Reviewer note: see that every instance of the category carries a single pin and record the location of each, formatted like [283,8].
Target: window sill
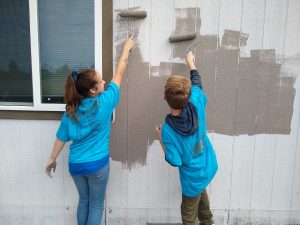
[30,115]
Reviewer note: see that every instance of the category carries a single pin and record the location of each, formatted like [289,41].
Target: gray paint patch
[248,89]
[138,108]
[129,132]
[250,95]
[141,108]
[234,39]
[185,20]
[180,69]
[225,91]
[247,95]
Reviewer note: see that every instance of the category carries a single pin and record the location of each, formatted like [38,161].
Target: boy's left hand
[158,131]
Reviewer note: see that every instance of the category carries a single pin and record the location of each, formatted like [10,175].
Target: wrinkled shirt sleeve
[196,78]
[172,156]
[62,132]
[111,95]
[197,97]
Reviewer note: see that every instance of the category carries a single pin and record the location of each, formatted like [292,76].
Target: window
[15,54]
[40,43]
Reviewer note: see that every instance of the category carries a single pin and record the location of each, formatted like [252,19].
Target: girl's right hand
[51,165]
[129,44]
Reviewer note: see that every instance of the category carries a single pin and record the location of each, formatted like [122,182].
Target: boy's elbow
[196,78]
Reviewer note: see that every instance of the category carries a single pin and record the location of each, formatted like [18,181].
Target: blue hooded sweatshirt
[187,144]
[89,131]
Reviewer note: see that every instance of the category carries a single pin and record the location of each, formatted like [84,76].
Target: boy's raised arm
[194,74]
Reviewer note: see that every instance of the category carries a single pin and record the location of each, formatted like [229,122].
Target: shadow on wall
[247,95]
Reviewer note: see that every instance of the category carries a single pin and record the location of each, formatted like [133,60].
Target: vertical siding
[258,181]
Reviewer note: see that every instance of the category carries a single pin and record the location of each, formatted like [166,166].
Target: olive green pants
[193,207]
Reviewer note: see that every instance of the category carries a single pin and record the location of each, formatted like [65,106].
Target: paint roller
[185,37]
[137,14]
[182,37]
[130,13]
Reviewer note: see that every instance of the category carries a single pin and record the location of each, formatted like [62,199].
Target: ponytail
[78,87]
[72,97]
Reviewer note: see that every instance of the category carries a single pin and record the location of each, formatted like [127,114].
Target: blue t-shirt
[193,155]
[89,128]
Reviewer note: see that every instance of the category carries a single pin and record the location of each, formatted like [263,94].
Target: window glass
[66,34]
[15,53]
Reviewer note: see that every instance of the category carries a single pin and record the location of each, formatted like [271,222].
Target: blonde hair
[177,91]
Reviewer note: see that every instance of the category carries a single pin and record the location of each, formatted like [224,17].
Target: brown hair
[177,91]
[78,88]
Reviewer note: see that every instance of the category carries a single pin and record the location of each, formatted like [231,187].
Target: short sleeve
[111,95]
[62,132]
[172,155]
[197,96]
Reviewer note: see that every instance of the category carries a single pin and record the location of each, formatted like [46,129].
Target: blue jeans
[91,189]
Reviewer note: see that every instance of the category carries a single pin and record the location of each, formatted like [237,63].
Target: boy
[186,145]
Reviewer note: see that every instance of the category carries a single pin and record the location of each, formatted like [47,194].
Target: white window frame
[35,59]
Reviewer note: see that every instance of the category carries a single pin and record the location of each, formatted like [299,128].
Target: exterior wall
[253,120]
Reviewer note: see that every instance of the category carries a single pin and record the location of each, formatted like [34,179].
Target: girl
[86,123]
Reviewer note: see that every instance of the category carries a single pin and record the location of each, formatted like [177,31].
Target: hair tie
[74,75]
